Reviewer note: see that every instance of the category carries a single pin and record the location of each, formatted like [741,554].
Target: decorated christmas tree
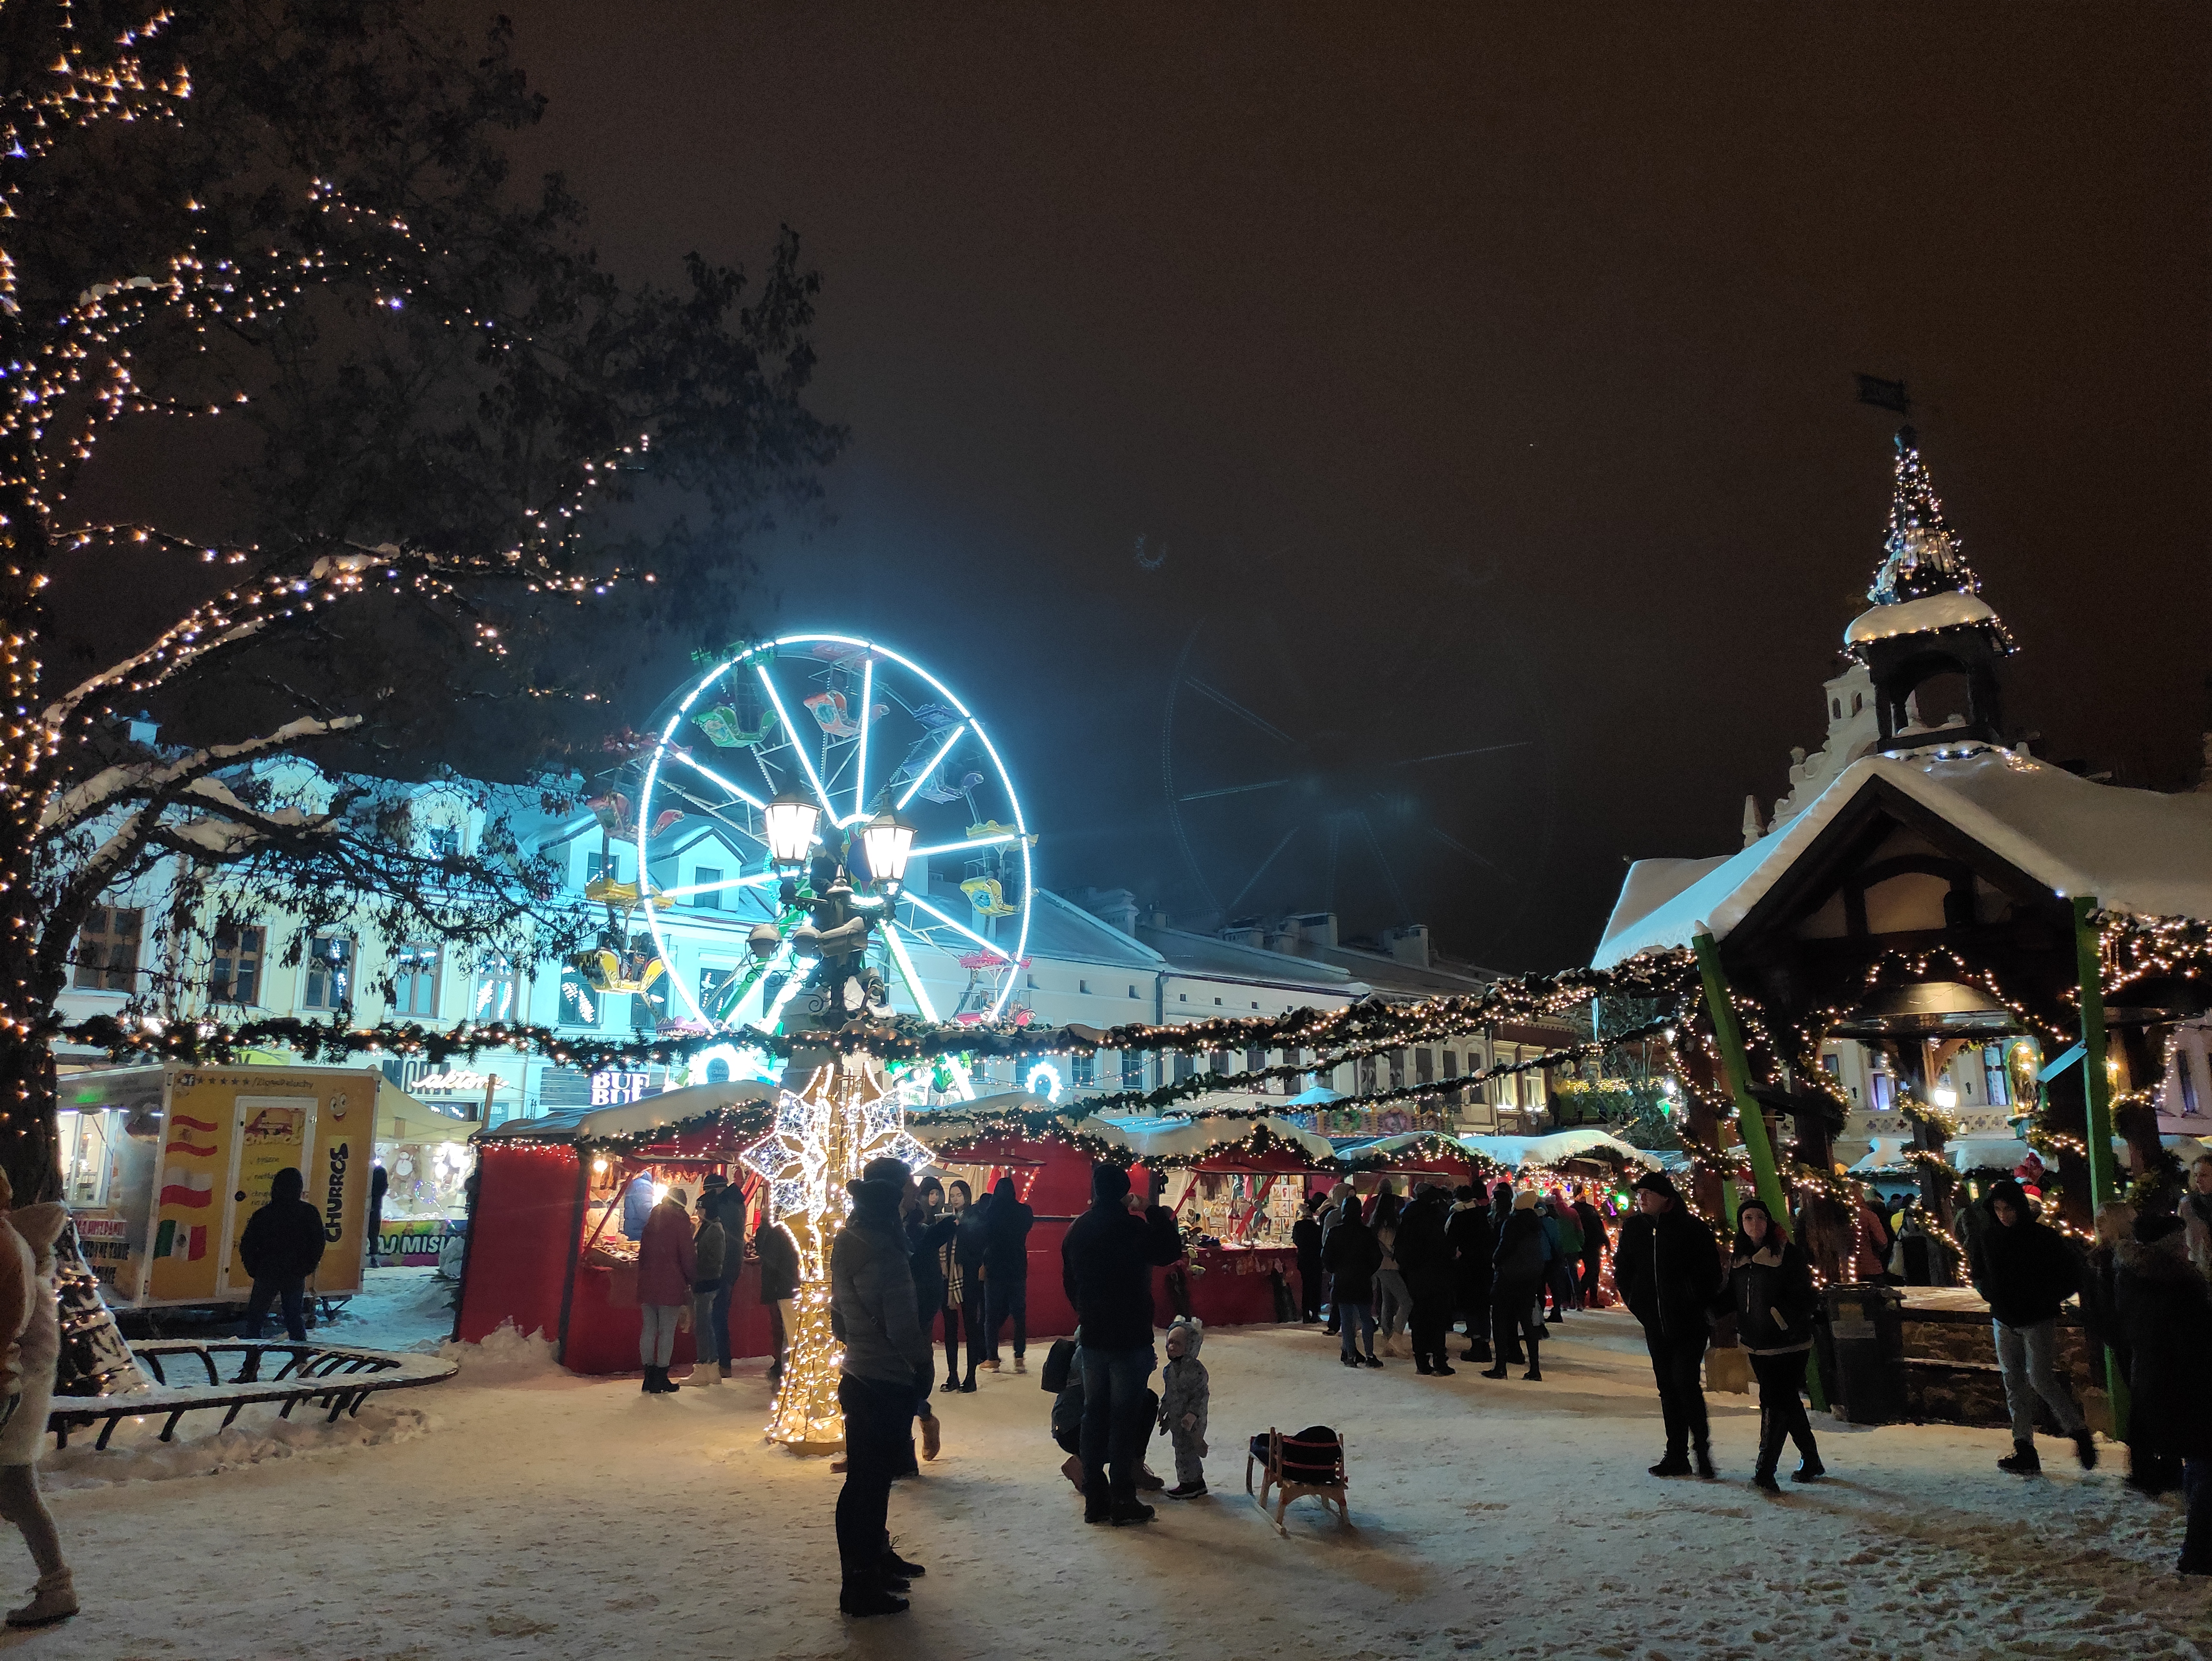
[1924,554]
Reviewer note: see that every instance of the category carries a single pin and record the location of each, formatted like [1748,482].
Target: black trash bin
[1867,1333]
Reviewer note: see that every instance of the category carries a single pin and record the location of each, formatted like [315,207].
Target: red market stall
[1051,1177]
[1240,1182]
[549,1245]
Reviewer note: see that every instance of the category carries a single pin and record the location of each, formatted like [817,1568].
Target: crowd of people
[1392,1269]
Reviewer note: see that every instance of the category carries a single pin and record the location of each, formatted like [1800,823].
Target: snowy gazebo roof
[1557,1148]
[2136,851]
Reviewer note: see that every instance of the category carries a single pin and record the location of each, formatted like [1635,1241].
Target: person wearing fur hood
[2164,1308]
[1770,1291]
[1183,1392]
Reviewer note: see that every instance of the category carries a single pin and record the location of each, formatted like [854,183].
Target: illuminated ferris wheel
[854,728]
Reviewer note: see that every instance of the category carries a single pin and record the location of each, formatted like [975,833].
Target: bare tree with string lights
[288,353]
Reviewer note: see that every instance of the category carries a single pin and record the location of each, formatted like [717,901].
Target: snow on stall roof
[1556,1148]
[2136,851]
[1173,1137]
[671,1107]
[1950,610]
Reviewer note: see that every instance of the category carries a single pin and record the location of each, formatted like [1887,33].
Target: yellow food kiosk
[162,1166]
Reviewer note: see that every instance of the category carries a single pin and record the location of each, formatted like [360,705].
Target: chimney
[1410,944]
[1114,907]
[1314,927]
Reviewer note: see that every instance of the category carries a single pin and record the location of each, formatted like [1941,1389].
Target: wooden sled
[1305,1461]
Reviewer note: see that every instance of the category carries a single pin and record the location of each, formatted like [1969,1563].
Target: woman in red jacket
[666,1266]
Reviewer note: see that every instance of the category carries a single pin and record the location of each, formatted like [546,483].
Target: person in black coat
[1594,1243]
[928,1227]
[971,1245]
[1352,1256]
[779,1285]
[2164,1310]
[1770,1291]
[280,1248]
[2027,1272]
[1668,1270]
[1305,1237]
[1467,1234]
[1517,1283]
[1106,1262]
[380,1184]
[1007,1269]
[1425,1259]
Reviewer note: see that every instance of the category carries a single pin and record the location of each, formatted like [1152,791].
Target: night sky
[1485,374]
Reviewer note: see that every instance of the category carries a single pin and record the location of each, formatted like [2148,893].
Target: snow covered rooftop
[1953,609]
[2136,851]
[1556,1148]
[671,1107]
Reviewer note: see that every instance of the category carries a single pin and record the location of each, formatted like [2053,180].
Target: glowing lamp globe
[789,823]
[887,840]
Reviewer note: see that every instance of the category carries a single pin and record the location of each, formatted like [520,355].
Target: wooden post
[2097,1093]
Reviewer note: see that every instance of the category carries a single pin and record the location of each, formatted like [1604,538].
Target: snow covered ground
[532,1514]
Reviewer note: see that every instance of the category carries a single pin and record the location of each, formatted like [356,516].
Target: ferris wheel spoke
[1455,843]
[860,759]
[1389,876]
[1239,710]
[935,761]
[1234,790]
[920,904]
[1454,755]
[1261,872]
[806,761]
[713,777]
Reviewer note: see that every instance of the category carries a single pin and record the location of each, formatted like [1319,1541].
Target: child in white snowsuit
[1183,1392]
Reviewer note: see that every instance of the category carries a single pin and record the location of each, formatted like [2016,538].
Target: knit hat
[1655,1182]
[1108,1182]
[1525,1199]
[885,1168]
[1464,1193]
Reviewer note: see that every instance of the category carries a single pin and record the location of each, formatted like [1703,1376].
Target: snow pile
[506,1356]
[135,1454]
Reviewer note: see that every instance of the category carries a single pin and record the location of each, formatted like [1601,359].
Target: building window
[1031,982]
[1083,1071]
[1366,1075]
[702,875]
[1133,1069]
[1132,991]
[1424,1066]
[234,976]
[414,980]
[1255,1058]
[580,1002]
[1217,1062]
[330,972]
[107,949]
[1083,986]
[443,840]
[2185,1070]
[1182,1066]
[1397,1069]
[494,1000]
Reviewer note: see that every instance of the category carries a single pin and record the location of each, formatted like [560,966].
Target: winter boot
[1704,1456]
[1349,1360]
[1441,1367]
[932,1436]
[1187,1490]
[1496,1372]
[1810,1469]
[2085,1447]
[2023,1462]
[894,1564]
[968,1384]
[1763,1478]
[53,1600]
[1476,1350]
[1021,1365]
[1421,1364]
[726,1369]
[1098,1508]
[702,1375]
[1148,1482]
[1535,1374]
[1131,1511]
[645,1387]
[1673,1462]
[864,1595]
[1371,1360]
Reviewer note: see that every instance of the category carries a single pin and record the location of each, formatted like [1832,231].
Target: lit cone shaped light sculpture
[823,1135]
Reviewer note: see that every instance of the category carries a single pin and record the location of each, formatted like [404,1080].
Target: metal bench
[334,1376]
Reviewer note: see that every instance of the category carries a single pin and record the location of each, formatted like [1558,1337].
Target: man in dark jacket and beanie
[888,1362]
[1106,1258]
[1469,1234]
[1668,1271]
[2026,1271]
[280,1248]
[2164,1308]
[1425,1259]
[1593,1239]
[1007,1269]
